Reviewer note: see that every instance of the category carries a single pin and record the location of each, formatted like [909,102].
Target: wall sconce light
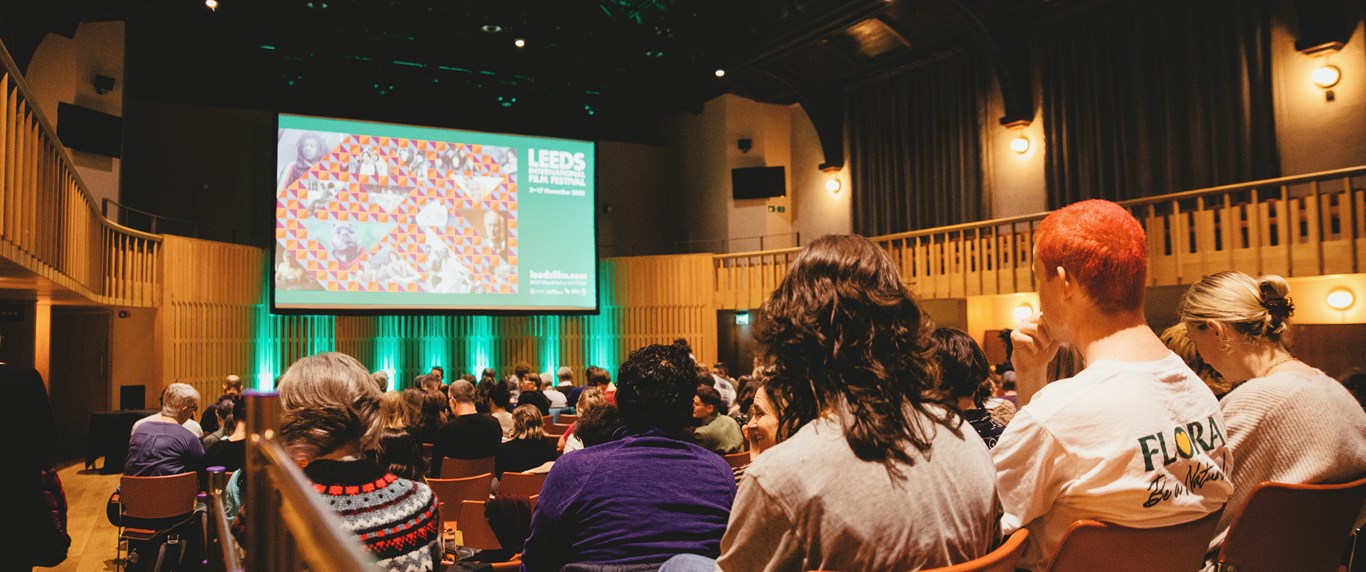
[833,184]
[1023,311]
[1340,299]
[1020,144]
[1326,76]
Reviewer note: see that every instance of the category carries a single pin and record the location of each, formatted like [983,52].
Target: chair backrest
[525,484]
[454,491]
[737,460]
[568,418]
[1091,545]
[453,468]
[1003,559]
[158,497]
[1292,527]
[474,527]
[557,428]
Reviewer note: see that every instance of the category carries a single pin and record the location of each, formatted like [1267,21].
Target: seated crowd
[874,440]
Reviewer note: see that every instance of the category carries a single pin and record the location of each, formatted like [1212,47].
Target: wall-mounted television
[757,182]
[385,218]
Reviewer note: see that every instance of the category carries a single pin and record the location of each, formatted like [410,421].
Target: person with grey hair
[330,420]
[470,434]
[189,424]
[160,444]
[558,401]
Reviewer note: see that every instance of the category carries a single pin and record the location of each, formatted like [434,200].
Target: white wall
[61,71]
[816,212]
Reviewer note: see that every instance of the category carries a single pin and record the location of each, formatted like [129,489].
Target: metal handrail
[223,532]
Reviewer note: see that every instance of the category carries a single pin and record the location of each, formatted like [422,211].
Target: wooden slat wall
[216,321]
[210,311]
[1306,225]
[48,222]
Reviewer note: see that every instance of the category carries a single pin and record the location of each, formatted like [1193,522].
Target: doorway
[79,372]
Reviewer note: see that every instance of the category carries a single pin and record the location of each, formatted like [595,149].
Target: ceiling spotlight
[212,4]
[720,72]
[1340,299]
[1326,76]
[1019,144]
[519,43]
[492,28]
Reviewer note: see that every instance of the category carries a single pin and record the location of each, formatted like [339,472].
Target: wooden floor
[93,539]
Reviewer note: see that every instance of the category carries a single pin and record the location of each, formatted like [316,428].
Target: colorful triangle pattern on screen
[384,214]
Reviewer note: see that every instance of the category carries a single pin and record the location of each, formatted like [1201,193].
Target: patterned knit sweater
[395,518]
[1291,428]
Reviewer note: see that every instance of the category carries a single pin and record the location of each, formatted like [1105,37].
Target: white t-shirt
[1140,444]
[557,399]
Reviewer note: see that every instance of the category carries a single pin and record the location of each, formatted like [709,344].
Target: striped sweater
[395,518]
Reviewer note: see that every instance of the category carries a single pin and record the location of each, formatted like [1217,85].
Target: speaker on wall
[85,129]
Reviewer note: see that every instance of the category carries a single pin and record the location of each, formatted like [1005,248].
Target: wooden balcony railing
[1306,225]
[49,224]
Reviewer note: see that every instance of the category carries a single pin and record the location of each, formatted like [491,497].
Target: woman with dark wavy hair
[872,470]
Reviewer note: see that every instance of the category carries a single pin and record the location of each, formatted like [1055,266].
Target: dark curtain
[1146,98]
[915,147]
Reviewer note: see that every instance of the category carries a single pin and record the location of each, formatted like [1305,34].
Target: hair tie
[1280,307]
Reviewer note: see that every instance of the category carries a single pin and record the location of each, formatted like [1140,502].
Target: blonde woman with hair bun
[1287,421]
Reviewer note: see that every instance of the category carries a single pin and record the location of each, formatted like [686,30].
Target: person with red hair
[1134,439]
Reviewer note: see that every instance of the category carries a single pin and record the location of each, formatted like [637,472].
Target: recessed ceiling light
[492,28]
[212,4]
[720,73]
[519,43]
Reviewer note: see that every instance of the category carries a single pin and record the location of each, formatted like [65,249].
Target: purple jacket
[640,499]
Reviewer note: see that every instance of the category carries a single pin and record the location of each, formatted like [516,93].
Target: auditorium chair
[737,460]
[453,468]
[1305,528]
[525,484]
[1091,545]
[451,492]
[152,499]
[1003,559]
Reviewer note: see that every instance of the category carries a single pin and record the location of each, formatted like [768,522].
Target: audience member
[589,398]
[209,422]
[381,379]
[717,433]
[470,434]
[761,427]
[428,382]
[436,411]
[1241,326]
[599,425]
[399,451]
[230,452]
[330,422]
[667,496]
[572,390]
[874,471]
[161,445]
[439,373]
[1354,380]
[963,371]
[498,403]
[528,448]
[222,423]
[1180,344]
[532,394]
[1135,439]
[189,423]
[558,401]
[725,387]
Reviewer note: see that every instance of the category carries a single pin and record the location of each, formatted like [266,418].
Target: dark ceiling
[608,69]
